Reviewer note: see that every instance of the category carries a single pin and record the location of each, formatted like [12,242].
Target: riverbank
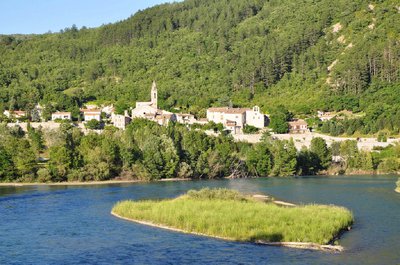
[89,183]
[229,215]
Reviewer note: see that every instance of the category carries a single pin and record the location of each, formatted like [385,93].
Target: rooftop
[298,122]
[229,110]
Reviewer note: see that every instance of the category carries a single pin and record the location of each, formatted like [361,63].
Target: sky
[41,16]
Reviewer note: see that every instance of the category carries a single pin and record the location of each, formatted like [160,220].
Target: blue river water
[73,224]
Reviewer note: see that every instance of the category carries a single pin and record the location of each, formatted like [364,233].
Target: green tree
[6,165]
[349,152]
[259,160]
[320,148]
[285,158]
[60,163]
[93,125]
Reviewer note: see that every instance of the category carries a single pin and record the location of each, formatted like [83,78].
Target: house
[108,110]
[7,113]
[185,118]
[234,119]
[326,116]
[255,118]
[91,114]
[164,117]
[121,121]
[61,116]
[19,114]
[14,114]
[298,126]
[202,121]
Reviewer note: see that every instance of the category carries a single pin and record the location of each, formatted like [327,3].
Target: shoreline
[89,183]
[112,182]
[397,190]
[298,245]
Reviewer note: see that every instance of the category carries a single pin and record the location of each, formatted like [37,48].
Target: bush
[44,175]
[389,165]
[93,125]
[248,129]
[216,194]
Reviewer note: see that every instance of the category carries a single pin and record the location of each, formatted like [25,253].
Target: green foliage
[260,160]
[216,194]
[308,162]
[320,149]
[382,137]
[279,120]
[93,125]
[228,214]
[389,165]
[6,165]
[250,52]
[248,129]
[285,158]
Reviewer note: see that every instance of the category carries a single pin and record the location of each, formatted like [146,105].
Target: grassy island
[230,215]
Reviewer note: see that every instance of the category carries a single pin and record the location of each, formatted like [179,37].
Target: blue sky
[40,16]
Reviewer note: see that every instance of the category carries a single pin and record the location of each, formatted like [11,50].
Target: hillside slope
[304,54]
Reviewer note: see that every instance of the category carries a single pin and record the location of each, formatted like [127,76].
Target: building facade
[91,114]
[61,116]
[185,118]
[255,118]
[298,126]
[234,119]
[121,121]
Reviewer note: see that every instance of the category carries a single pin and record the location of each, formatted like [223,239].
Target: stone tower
[154,95]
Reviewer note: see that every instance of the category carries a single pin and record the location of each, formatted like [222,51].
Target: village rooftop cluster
[233,120]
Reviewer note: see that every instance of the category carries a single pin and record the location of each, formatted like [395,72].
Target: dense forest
[305,55]
[147,151]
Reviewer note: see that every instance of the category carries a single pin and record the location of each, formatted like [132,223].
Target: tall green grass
[240,218]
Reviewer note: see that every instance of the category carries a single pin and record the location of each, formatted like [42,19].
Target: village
[233,120]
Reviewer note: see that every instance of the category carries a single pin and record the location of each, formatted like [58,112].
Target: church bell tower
[154,95]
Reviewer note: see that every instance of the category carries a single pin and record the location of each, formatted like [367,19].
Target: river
[73,224]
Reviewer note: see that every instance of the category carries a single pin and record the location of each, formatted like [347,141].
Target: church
[150,110]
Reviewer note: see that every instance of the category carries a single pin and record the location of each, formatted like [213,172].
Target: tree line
[147,151]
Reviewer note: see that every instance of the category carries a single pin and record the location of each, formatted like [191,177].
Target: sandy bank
[310,246]
[89,183]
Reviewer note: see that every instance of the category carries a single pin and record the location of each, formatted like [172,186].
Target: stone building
[150,111]
[298,126]
[234,119]
[61,116]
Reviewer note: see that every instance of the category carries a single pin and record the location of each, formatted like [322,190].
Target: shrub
[248,129]
[44,175]
[93,125]
[216,194]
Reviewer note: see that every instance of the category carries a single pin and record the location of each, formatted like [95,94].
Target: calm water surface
[73,225]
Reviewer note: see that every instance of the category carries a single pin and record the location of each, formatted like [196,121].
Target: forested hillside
[303,54]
